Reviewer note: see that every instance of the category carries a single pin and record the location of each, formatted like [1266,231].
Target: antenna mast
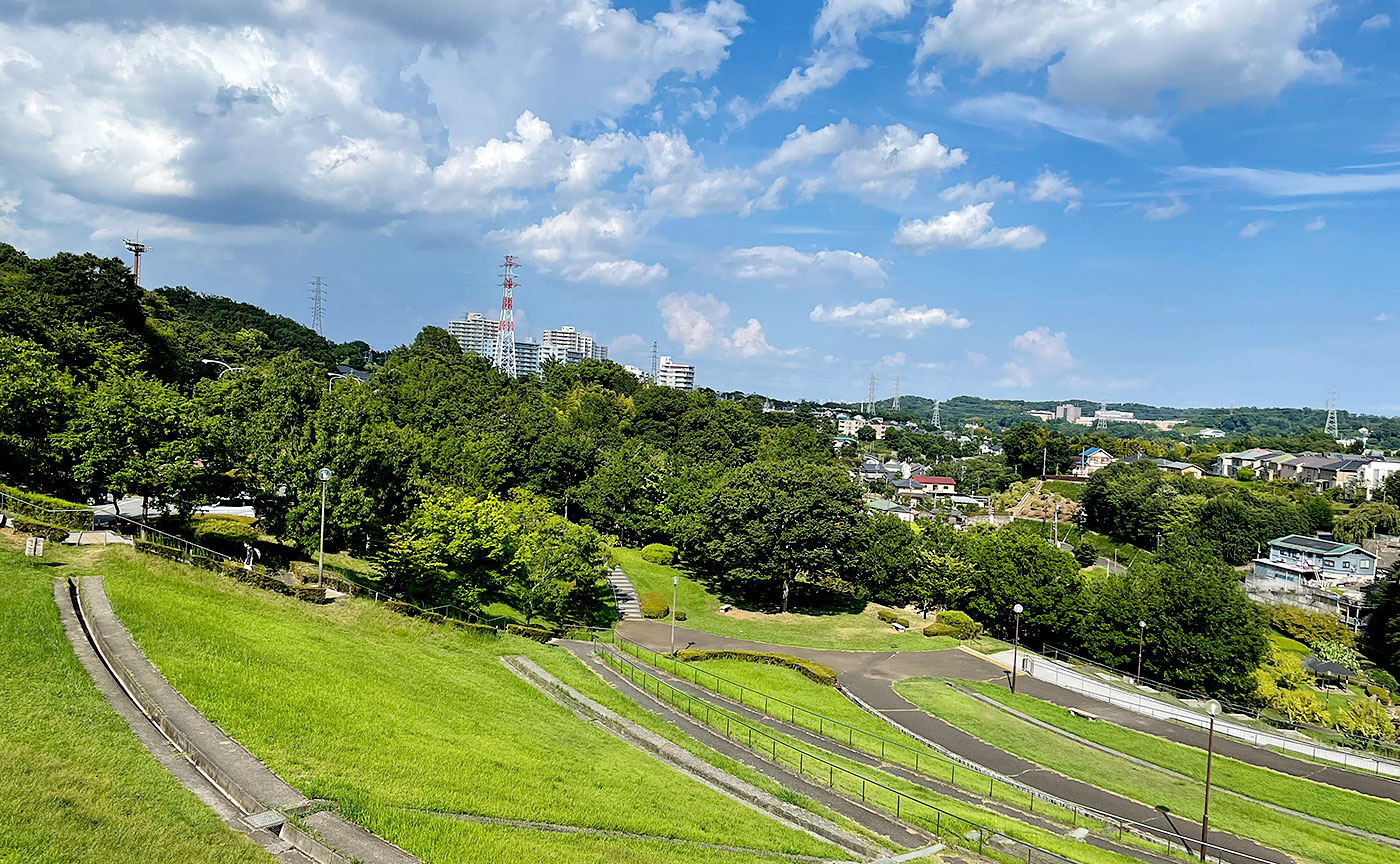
[318,303]
[137,249]
[505,330]
[1331,428]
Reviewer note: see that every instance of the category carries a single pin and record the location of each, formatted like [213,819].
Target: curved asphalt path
[871,676]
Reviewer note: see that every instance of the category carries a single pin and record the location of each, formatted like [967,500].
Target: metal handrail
[145,528]
[1371,744]
[1161,835]
[19,503]
[801,758]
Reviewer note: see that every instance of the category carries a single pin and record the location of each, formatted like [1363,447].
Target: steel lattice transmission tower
[870,397]
[1100,421]
[505,330]
[137,249]
[894,406]
[318,303]
[655,363]
[937,420]
[1331,428]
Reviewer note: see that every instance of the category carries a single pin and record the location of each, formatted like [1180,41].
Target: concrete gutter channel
[959,793]
[678,757]
[225,776]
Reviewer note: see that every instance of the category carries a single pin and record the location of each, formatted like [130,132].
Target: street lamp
[675,581]
[1016,644]
[227,368]
[324,475]
[1212,708]
[1142,638]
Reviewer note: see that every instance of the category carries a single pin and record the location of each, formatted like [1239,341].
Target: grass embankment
[857,631]
[76,786]
[1316,799]
[401,722]
[1228,812]
[893,794]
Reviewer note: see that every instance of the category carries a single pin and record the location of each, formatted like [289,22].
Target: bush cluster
[75,521]
[224,534]
[813,670]
[659,553]
[49,531]
[310,593]
[654,604]
[1379,692]
[680,614]
[959,624]
[539,634]
[891,618]
[1310,628]
[477,629]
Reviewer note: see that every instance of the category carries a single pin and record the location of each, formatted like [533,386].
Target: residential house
[880,505]
[1184,468]
[1229,464]
[1091,460]
[1310,560]
[1211,433]
[1373,475]
[936,485]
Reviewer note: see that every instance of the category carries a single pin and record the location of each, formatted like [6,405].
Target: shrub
[403,608]
[1385,679]
[172,553]
[477,629]
[936,629]
[1366,719]
[654,604]
[432,617]
[267,583]
[891,618]
[1337,652]
[680,614]
[1310,627]
[1085,555]
[1379,692]
[659,553]
[960,624]
[813,670]
[1300,705]
[310,593]
[76,517]
[47,530]
[539,634]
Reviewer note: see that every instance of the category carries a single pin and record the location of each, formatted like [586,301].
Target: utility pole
[505,330]
[137,249]
[318,303]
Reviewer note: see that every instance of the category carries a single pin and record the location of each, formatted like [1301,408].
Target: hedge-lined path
[624,595]
[820,742]
[895,831]
[870,677]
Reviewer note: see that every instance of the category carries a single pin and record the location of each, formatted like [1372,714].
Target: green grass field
[1228,812]
[858,631]
[1287,644]
[1316,799]
[390,717]
[76,786]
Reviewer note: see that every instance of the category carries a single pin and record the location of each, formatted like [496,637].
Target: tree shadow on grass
[767,597]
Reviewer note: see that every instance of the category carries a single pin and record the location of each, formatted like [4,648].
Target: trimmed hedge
[936,629]
[1379,692]
[960,624]
[680,614]
[403,608]
[813,670]
[478,629]
[539,634]
[891,618]
[49,531]
[659,553]
[75,521]
[654,604]
[310,593]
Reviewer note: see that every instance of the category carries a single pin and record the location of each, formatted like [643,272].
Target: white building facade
[679,376]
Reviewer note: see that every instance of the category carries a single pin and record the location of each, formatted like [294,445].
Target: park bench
[1080,712]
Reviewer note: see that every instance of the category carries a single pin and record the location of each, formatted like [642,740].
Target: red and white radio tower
[505,331]
[137,249]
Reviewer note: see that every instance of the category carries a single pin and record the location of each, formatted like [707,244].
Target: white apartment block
[477,335]
[569,339]
[676,375]
[1373,474]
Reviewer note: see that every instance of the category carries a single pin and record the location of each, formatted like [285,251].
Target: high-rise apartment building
[570,339]
[477,335]
[677,375]
[1068,412]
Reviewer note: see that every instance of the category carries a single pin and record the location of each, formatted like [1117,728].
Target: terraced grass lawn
[1228,812]
[76,786]
[1316,799]
[847,775]
[858,631]
[390,716]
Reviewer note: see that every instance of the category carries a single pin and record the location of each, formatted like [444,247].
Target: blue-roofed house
[1090,461]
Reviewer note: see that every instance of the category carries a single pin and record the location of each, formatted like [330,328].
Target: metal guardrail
[887,748]
[11,504]
[188,548]
[871,792]
[1333,736]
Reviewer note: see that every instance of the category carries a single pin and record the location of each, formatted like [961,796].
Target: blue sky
[1169,201]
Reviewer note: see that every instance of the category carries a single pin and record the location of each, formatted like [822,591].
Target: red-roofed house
[936,485]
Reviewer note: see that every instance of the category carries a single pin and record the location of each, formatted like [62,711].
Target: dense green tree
[884,559]
[563,569]
[626,496]
[1011,568]
[454,549]
[38,397]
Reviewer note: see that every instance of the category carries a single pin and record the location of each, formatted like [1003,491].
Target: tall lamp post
[1142,639]
[1016,644]
[1212,708]
[324,475]
[675,581]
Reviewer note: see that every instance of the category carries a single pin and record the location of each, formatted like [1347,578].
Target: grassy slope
[860,631]
[1316,799]
[1228,812]
[76,786]
[387,715]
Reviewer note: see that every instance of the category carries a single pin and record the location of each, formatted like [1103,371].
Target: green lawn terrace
[831,621]
[418,732]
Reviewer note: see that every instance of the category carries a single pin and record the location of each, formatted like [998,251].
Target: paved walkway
[624,595]
[870,677]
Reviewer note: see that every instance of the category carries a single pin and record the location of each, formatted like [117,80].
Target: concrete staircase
[624,595]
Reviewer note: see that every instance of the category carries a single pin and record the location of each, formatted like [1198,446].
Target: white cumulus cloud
[1037,355]
[1169,209]
[1049,186]
[875,162]
[884,315]
[968,228]
[784,264]
[1379,21]
[698,322]
[989,189]
[1316,225]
